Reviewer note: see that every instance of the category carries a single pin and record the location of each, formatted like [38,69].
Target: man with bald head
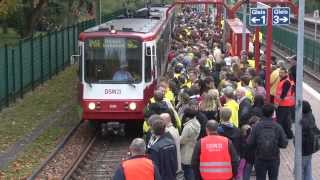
[245,107]
[138,166]
[214,156]
[166,118]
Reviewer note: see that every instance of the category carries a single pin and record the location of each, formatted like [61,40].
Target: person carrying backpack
[310,139]
[266,138]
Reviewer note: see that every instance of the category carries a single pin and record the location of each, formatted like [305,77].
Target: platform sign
[280,16]
[258,17]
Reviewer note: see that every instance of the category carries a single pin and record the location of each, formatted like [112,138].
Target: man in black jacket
[245,107]
[226,128]
[162,151]
[309,132]
[266,138]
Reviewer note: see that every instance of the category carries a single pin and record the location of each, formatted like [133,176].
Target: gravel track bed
[103,158]
[68,154]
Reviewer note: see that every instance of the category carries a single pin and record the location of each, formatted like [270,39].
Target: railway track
[60,146]
[99,159]
[310,76]
[309,32]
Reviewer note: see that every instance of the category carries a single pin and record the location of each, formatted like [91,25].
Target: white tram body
[120,62]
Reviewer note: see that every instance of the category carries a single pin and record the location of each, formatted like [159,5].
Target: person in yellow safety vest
[251,61]
[246,82]
[232,105]
[168,94]
[177,70]
[146,126]
[209,62]
[192,78]
[260,37]
[275,79]
[222,23]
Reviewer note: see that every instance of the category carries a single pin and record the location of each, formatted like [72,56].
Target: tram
[120,63]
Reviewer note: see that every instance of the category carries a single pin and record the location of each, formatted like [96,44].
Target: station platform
[287,155]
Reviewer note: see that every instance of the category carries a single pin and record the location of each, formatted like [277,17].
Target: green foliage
[7,7]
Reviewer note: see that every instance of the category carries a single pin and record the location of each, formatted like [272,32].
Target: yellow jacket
[234,107]
[252,63]
[274,80]
[249,91]
[146,126]
[260,37]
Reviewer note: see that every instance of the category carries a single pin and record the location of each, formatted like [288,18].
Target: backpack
[315,139]
[267,143]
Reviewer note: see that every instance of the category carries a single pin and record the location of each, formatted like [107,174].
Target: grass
[41,148]
[25,115]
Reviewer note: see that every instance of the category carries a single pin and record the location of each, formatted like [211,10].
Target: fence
[287,41]
[34,60]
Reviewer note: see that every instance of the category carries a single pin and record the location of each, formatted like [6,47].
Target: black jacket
[308,126]
[256,132]
[245,110]
[246,152]
[195,162]
[202,118]
[257,111]
[164,155]
[292,72]
[232,133]
[119,174]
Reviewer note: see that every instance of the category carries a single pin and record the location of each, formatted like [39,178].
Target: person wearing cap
[138,166]
[122,74]
[232,105]
[214,156]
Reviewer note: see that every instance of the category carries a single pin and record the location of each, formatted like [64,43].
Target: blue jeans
[247,171]
[188,172]
[306,167]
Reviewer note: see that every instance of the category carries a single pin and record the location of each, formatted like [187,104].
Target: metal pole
[315,31]
[268,53]
[244,27]
[257,49]
[100,17]
[299,98]
[224,24]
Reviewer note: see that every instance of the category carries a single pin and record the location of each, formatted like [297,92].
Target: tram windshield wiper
[130,82]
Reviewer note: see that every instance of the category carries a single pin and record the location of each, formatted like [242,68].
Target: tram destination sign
[280,16]
[258,17]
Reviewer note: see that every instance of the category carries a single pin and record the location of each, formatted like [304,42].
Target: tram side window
[148,71]
[159,55]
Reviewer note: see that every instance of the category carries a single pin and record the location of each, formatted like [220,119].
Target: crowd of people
[209,118]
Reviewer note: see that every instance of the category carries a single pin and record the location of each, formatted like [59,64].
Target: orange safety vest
[215,160]
[289,100]
[138,169]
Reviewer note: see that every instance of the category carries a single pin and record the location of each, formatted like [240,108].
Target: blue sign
[280,16]
[258,17]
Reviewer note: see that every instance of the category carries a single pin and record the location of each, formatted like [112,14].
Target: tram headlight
[132,106]
[92,106]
